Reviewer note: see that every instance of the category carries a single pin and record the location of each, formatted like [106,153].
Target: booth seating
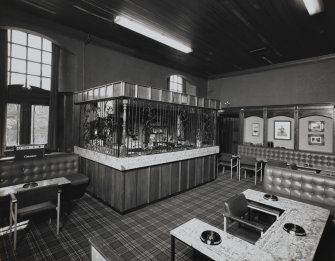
[303,186]
[318,160]
[311,188]
[29,170]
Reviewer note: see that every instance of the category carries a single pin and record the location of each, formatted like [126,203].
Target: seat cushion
[30,210]
[77,179]
[223,163]
[248,167]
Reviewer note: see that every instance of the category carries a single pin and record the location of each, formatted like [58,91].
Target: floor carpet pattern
[140,235]
[143,234]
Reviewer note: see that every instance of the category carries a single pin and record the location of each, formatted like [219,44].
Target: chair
[250,163]
[227,160]
[236,209]
[27,202]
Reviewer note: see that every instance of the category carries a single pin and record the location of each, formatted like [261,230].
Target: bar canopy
[131,90]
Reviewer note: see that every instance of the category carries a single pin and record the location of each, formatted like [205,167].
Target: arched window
[176,83]
[29,60]
[29,66]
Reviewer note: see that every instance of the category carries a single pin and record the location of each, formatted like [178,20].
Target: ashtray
[270,197]
[30,185]
[210,237]
[294,229]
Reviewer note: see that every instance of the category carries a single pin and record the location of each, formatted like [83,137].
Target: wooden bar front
[129,189]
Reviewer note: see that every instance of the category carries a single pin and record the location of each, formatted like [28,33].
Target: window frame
[181,83]
[33,96]
[32,125]
[18,123]
[26,59]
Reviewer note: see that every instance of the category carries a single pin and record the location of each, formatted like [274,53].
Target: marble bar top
[136,162]
[12,189]
[285,246]
[276,244]
[231,247]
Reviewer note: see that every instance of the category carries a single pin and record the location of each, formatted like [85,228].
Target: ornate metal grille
[131,127]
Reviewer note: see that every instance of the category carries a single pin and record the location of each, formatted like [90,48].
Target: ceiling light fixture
[155,35]
[313,6]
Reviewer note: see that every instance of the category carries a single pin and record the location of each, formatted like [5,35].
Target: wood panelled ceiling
[226,35]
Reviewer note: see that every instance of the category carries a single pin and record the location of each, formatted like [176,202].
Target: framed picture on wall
[282,130]
[316,139]
[255,129]
[316,126]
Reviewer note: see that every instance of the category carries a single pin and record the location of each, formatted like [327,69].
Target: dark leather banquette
[53,166]
[319,160]
[303,186]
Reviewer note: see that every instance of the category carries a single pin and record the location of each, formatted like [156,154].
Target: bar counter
[130,182]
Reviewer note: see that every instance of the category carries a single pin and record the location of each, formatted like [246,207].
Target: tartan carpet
[140,235]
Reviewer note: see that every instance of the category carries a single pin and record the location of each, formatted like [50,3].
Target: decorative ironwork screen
[130,127]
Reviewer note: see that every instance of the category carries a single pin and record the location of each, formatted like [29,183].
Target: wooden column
[333,130]
[3,89]
[25,123]
[265,127]
[215,129]
[124,130]
[241,127]
[296,128]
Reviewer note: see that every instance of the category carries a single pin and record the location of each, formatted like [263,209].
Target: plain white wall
[311,82]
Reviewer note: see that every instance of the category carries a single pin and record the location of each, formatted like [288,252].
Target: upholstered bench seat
[318,160]
[29,170]
[303,186]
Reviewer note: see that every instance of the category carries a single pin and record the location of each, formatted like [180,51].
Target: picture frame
[255,129]
[316,139]
[282,130]
[316,126]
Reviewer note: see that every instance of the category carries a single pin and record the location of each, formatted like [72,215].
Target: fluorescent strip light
[313,6]
[157,36]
